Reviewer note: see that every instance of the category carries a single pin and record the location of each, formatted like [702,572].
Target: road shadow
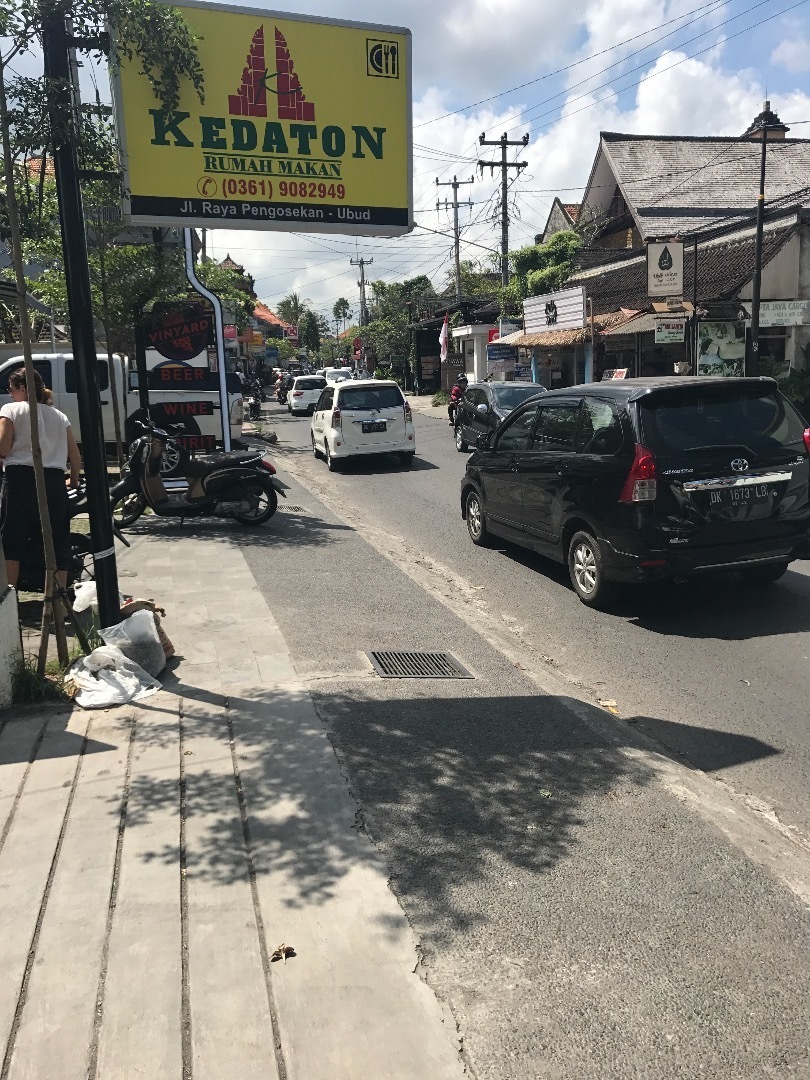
[285,528]
[719,606]
[446,785]
[704,748]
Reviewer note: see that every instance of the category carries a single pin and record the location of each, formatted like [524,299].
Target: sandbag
[138,639]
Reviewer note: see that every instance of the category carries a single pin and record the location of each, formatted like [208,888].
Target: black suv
[484,405]
[646,479]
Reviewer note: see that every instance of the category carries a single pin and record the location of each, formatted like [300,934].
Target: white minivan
[303,397]
[362,417]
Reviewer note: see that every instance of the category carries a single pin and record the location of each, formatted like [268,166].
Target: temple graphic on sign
[251,97]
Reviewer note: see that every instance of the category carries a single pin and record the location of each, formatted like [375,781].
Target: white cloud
[793,54]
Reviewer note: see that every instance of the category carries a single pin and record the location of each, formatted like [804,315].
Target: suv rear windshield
[509,397]
[310,384]
[713,418]
[370,397]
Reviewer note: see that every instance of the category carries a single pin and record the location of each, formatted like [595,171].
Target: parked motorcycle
[254,402]
[32,567]
[237,485]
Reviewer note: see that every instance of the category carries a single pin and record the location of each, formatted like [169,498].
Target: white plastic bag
[85,596]
[138,639]
[107,677]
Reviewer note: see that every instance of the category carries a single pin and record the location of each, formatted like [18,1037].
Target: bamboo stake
[25,335]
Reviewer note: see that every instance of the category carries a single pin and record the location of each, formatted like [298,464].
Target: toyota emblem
[739,464]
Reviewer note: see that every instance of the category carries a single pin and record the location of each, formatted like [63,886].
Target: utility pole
[56,46]
[765,122]
[455,185]
[362,263]
[504,166]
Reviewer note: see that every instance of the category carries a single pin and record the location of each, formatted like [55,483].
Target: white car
[303,397]
[334,375]
[362,417]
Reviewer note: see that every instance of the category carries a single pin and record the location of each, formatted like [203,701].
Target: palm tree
[341,310]
[291,308]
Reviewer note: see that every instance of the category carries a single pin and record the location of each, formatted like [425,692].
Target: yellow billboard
[305,126]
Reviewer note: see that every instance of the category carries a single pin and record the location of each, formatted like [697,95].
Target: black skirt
[19,513]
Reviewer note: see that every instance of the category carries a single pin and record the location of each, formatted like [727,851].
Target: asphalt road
[583,913]
[713,671]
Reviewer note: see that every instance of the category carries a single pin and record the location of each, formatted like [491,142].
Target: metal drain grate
[417,665]
[285,508]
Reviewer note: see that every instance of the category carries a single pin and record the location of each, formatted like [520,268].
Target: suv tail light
[806,437]
[336,418]
[298,393]
[409,416]
[642,480]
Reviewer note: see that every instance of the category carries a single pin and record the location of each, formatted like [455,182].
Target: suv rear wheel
[764,575]
[585,569]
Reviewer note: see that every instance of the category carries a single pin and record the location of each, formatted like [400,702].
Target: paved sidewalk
[153,857]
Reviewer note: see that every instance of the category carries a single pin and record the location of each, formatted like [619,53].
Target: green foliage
[476,280]
[387,332]
[341,311]
[28,687]
[441,397]
[309,333]
[542,268]
[291,308]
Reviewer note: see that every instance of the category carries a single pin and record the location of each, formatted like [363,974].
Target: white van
[196,409]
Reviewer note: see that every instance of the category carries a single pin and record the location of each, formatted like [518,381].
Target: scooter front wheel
[266,505]
[127,509]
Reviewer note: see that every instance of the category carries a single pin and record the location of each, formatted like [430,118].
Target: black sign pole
[80,308]
[218,322]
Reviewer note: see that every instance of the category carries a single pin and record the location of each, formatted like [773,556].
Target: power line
[706,8]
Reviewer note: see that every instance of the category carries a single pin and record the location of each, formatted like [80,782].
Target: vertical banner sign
[665,269]
[305,126]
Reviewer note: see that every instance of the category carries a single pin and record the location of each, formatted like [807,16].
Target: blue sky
[664,67]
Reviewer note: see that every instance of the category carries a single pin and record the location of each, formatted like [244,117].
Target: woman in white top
[19,512]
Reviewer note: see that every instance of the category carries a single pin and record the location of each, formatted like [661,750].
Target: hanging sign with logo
[179,336]
[669,331]
[305,126]
[665,269]
[563,310]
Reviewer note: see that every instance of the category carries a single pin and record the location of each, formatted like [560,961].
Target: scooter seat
[204,464]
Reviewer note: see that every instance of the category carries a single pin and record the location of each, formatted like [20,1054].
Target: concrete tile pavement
[153,857]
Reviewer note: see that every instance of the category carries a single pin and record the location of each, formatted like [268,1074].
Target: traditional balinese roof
[229,264]
[265,315]
[723,267]
[673,185]
[572,209]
